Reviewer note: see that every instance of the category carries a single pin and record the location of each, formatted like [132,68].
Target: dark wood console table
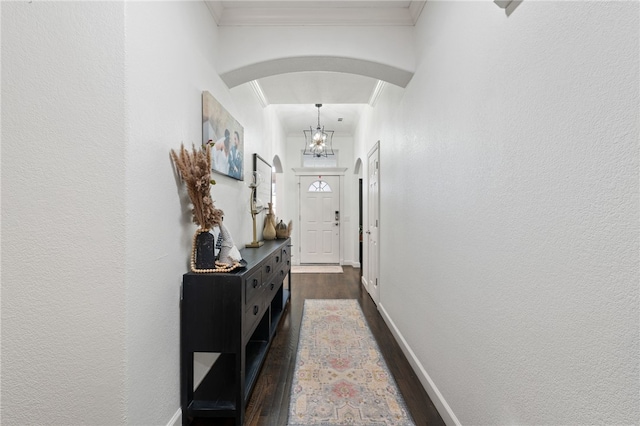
[236,315]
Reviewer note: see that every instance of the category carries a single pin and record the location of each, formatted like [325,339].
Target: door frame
[318,171]
[375,275]
[322,218]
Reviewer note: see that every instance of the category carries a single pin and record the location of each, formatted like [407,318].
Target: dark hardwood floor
[269,402]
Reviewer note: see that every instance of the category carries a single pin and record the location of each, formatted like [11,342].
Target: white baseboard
[176,420]
[438,400]
[364,281]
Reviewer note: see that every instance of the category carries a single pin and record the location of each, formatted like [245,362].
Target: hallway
[509,194]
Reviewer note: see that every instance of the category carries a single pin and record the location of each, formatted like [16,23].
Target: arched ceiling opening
[356,66]
[344,86]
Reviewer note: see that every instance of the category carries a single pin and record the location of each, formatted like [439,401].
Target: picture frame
[226,137]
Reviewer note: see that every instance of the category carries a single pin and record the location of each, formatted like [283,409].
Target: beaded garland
[220,266]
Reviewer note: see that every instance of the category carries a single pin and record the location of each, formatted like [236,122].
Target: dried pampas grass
[195,169]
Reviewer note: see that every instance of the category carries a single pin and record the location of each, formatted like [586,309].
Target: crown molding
[415,9]
[257,90]
[376,93]
[296,15]
[215,8]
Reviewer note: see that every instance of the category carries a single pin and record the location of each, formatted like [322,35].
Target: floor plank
[269,402]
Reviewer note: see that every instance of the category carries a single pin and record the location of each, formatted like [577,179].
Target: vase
[281,231]
[269,231]
[203,250]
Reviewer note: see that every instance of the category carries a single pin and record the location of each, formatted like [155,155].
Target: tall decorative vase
[203,250]
[269,231]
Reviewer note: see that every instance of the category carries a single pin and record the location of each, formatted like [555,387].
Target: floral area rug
[340,376]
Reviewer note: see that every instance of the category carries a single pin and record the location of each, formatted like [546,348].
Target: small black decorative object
[204,252]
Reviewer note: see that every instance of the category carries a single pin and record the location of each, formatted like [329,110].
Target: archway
[380,71]
[277,186]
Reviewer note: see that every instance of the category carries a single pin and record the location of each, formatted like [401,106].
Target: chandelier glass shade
[318,142]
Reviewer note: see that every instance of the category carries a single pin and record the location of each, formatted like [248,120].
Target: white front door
[373,223]
[319,219]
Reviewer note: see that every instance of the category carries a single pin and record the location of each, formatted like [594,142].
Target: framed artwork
[226,137]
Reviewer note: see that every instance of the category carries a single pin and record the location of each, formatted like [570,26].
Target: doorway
[360,225]
[319,219]
[373,223]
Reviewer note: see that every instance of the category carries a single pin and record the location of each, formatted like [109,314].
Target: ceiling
[294,95]
[343,96]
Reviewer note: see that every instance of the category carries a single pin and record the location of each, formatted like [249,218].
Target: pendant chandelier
[318,142]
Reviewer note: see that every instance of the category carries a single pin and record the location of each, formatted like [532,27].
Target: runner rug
[340,376]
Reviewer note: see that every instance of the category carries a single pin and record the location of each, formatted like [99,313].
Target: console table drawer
[286,258]
[272,287]
[252,315]
[285,266]
[252,285]
[283,271]
[279,258]
[286,254]
[269,267]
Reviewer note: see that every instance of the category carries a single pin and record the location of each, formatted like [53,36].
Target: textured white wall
[96,225]
[169,64]
[509,191]
[171,56]
[63,213]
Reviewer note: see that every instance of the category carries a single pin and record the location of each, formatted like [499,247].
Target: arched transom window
[319,186]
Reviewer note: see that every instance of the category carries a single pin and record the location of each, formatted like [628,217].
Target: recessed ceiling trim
[314,13]
[315,17]
[257,90]
[415,9]
[376,93]
[376,70]
[216,9]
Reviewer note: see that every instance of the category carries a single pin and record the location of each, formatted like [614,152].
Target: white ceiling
[294,95]
[317,87]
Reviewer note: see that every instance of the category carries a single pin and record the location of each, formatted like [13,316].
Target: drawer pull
[255,309]
[272,286]
[277,259]
[255,283]
[288,262]
[281,272]
[268,268]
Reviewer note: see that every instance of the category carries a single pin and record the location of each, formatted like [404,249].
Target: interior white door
[373,224]
[319,219]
